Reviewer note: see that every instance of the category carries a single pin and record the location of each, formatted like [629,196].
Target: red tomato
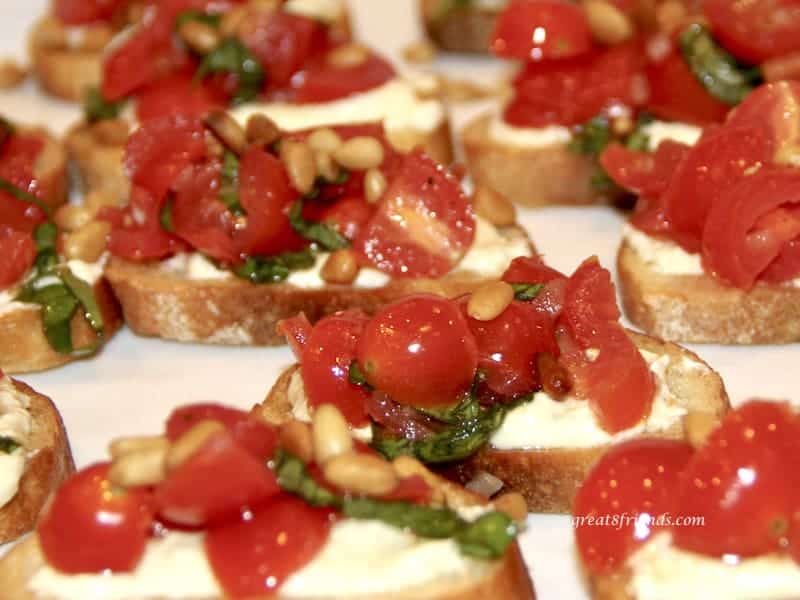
[184,418]
[296,330]
[221,481]
[412,489]
[83,12]
[179,93]
[19,215]
[643,173]
[786,266]
[423,226]
[18,251]
[573,91]
[420,351]
[18,156]
[322,82]
[348,215]
[325,366]
[748,228]
[590,303]
[625,499]
[742,483]
[541,30]
[253,558]
[92,526]
[755,31]
[530,269]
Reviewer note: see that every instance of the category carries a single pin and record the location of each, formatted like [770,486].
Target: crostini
[658,520]
[529,380]
[711,253]
[228,231]
[223,505]
[35,456]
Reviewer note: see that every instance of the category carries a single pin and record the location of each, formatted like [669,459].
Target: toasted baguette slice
[159,303]
[459,29]
[50,167]
[699,309]
[49,464]
[25,347]
[549,478]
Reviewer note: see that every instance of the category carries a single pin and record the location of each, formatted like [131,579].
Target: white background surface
[132,386]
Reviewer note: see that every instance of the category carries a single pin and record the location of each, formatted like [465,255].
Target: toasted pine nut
[361,474]
[87,243]
[513,504]
[422,52]
[111,132]
[489,301]
[670,15]
[232,20]
[52,34]
[71,217]
[95,38]
[129,445]
[622,126]
[494,207]
[609,25]
[295,437]
[697,426]
[341,267]
[261,130]
[190,442]
[375,185]
[782,68]
[408,466]
[97,199]
[330,433]
[199,37]
[11,74]
[227,130]
[348,56]
[324,140]
[145,467]
[360,153]
[298,158]
[326,168]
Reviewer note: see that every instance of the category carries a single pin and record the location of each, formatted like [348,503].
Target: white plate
[131,387]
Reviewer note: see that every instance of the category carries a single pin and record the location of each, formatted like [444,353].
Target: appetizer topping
[16,424]
[84,12]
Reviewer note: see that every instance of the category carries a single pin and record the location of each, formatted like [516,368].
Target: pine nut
[348,56]
[87,243]
[11,74]
[408,466]
[420,52]
[375,185]
[111,132]
[129,445]
[494,207]
[341,267]
[199,37]
[330,433]
[97,199]
[324,140]
[360,154]
[261,130]
[489,301]
[622,126]
[295,437]
[52,34]
[512,504]
[96,38]
[697,426]
[71,217]
[298,158]
[609,25]
[361,474]
[232,21]
[227,130]
[326,168]
[145,467]
[670,15]
[190,442]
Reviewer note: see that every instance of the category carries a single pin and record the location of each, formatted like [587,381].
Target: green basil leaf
[293,476]
[45,236]
[84,293]
[8,445]
[274,269]
[590,139]
[229,190]
[58,306]
[526,292]
[424,521]
[320,233]
[356,376]
[488,537]
[165,216]
[21,194]
[231,56]
[197,15]
[97,108]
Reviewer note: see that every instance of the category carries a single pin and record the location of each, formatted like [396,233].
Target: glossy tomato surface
[18,251]
[322,82]
[646,174]
[83,12]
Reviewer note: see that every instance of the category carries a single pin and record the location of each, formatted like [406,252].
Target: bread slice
[49,464]
[24,345]
[161,303]
[550,478]
[529,176]
[50,167]
[700,309]
[462,28]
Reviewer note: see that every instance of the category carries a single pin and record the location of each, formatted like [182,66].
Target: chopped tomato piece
[348,215]
[786,266]
[184,418]
[18,156]
[590,303]
[19,215]
[412,489]
[643,173]
[530,269]
[179,93]
[84,12]
[296,330]
[323,82]
[18,251]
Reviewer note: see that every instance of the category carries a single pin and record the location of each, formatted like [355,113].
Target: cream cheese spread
[327,11]
[658,131]
[16,424]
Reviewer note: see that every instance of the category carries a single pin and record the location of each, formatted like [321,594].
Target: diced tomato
[419,351]
[423,226]
[530,269]
[184,418]
[19,215]
[786,266]
[412,489]
[590,303]
[18,156]
[325,366]
[643,173]
[296,330]
[624,500]
[755,31]
[254,557]
[84,12]
[348,215]
[322,82]
[541,30]
[179,93]
[91,526]
[220,482]
[256,436]
[18,251]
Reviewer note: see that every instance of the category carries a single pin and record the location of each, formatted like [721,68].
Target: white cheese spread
[327,11]
[658,131]
[661,255]
[528,137]
[194,266]
[660,571]
[16,424]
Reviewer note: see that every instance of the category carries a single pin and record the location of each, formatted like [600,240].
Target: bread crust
[550,478]
[462,29]
[49,465]
[25,347]
[699,309]
[529,176]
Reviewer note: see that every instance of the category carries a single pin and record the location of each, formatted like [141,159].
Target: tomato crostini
[529,379]
[223,505]
[228,232]
[657,519]
[710,254]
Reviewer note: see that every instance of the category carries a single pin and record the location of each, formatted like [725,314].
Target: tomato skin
[253,558]
[530,269]
[297,331]
[786,266]
[184,418]
[643,173]
[323,83]
[18,251]
[83,12]
[179,93]
[590,303]
[541,30]
[419,351]
[348,215]
[91,527]
[633,479]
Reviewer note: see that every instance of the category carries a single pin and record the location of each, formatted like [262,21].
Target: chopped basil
[590,139]
[274,269]
[229,190]
[639,141]
[720,73]
[165,216]
[84,294]
[20,194]
[356,376]
[527,291]
[324,235]
[197,15]
[8,445]
[6,130]
[293,477]
[231,56]
[58,306]
[97,108]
